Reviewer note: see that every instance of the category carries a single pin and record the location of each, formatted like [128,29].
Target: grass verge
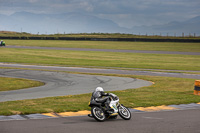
[100,59]
[8,84]
[165,91]
[155,46]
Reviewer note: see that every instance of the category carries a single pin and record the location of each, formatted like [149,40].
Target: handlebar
[113,96]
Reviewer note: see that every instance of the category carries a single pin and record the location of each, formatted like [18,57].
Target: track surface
[185,121]
[61,84]
[107,71]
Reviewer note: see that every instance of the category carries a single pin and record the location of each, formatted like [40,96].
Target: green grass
[165,91]
[8,84]
[100,59]
[155,46]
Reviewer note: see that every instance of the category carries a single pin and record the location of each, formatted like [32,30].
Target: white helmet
[99,89]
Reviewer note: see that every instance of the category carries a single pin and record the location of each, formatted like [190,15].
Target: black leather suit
[101,97]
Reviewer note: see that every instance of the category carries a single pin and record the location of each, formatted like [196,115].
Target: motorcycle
[2,43]
[99,112]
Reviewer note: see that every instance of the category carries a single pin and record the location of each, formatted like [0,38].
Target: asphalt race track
[106,71]
[61,84]
[184,121]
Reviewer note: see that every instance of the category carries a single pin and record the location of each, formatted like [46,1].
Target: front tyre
[124,112]
[98,114]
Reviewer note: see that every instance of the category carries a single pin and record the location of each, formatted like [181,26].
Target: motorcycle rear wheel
[98,114]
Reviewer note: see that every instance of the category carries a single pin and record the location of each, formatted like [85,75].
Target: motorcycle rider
[97,96]
[2,43]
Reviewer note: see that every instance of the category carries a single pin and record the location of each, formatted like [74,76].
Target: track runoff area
[33,74]
[93,70]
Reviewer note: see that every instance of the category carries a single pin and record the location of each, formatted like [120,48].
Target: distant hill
[190,26]
[82,23]
[58,23]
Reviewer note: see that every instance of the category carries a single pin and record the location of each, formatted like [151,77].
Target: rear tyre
[98,114]
[124,112]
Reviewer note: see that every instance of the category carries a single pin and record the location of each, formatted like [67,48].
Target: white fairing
[113,105]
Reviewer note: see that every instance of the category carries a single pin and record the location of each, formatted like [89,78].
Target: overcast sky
[125,13]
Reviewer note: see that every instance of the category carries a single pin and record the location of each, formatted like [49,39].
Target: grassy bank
[100,59]
[8,84]
[165,91]
[155,46]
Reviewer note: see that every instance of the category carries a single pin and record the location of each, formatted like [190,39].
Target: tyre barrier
[197,87]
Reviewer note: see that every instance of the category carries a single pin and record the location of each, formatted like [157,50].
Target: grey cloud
[126,13]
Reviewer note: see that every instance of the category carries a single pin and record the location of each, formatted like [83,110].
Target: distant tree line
[103,39]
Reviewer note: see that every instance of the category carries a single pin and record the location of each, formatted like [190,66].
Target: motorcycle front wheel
[98,114]
[124,112]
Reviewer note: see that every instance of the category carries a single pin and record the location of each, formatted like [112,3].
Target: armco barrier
[100,39]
